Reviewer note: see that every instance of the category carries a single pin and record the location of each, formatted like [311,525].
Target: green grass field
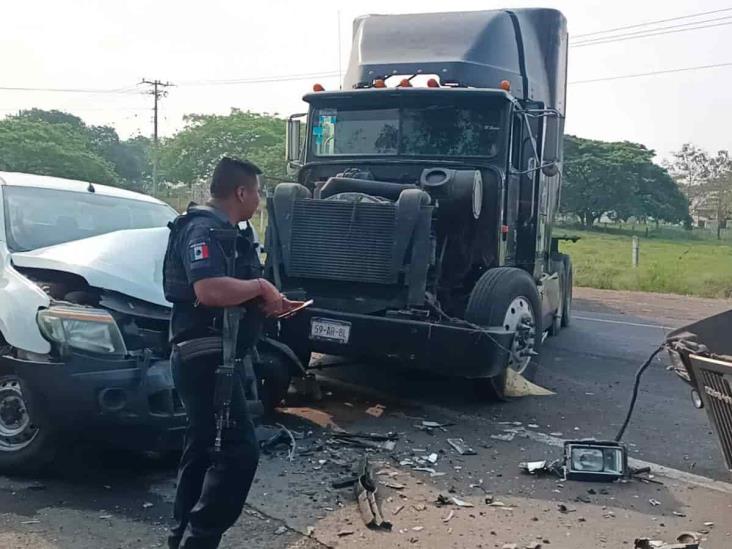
[668,263]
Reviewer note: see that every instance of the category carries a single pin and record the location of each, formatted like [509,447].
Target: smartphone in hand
[299,307]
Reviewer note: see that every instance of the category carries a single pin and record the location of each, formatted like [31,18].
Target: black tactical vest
[195,320]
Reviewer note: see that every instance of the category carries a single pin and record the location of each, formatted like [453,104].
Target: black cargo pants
[211,489]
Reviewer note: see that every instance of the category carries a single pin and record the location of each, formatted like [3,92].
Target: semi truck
[420,220]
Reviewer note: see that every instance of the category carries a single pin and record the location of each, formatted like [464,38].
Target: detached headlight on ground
[87,329]
[595,460]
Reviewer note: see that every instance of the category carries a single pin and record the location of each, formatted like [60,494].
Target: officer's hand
[272,301]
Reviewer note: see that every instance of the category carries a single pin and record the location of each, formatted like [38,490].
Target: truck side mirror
[293,139]
[552,145]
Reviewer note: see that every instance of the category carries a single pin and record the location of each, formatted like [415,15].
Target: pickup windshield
[429,130]
[37,217]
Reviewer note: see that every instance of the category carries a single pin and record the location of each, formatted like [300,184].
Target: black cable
[638,375]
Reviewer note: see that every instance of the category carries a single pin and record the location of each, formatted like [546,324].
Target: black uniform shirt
[201,257]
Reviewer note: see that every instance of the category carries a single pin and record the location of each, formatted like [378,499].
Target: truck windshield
[431,130]
[37,217]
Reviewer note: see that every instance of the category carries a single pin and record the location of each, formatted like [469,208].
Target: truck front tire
[508,297]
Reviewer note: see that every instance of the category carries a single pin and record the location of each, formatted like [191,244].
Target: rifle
[227,239]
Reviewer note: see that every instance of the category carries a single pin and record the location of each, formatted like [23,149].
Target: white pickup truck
[83,320]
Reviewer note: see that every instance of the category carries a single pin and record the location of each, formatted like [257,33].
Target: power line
[652,73]
[645,35]
[648,23]
[656,29]
[158,92]
[126,90]
[258,79]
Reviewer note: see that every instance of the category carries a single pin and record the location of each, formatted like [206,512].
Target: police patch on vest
[199,251]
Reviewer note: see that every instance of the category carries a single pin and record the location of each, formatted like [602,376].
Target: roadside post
[635,251]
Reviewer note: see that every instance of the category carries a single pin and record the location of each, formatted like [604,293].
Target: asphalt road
[591,366]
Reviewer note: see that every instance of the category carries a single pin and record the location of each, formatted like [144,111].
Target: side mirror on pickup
[552,144]
[294,138]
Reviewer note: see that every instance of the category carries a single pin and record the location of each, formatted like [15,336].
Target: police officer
[212,490]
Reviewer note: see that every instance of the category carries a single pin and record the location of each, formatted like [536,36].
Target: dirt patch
[676,310]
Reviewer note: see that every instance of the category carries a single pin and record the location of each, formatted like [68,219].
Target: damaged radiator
[343,241]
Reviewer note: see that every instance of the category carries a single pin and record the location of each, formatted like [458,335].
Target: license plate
[330,330]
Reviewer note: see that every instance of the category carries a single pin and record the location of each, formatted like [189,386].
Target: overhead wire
[648,34]
[649,23]
[651,73]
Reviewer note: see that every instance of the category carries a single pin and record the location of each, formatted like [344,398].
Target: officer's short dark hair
[231,173]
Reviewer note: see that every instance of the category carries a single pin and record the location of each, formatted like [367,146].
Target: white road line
[636,324]
[543,438]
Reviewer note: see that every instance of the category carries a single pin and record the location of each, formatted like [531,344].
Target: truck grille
[336,240]
[715,385]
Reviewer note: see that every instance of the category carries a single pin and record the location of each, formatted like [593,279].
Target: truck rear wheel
[508,297]
[27,441]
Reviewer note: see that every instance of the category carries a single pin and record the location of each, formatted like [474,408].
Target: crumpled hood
[129,262]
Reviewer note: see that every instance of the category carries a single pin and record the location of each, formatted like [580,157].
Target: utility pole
[158,92]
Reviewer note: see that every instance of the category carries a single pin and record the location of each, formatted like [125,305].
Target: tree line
[619,180]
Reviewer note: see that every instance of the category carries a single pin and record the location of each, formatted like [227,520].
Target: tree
[617,179]
[707,182]
[39,147]
[130,159]
[190,156]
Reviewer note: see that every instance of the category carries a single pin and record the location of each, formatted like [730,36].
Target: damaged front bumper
[130,401]
[442,347]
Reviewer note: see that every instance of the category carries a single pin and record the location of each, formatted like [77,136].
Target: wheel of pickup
[27,441]
[508,297]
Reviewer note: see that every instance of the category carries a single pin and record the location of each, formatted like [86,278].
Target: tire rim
[16,428]
[520,319]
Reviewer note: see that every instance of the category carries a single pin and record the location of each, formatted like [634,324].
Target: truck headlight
[595,460]
[86,329]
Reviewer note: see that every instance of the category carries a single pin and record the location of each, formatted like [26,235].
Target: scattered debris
[105,517]
[435,425]
[583,499]
[709,524]
[147,505]
[432,458]
[506,437]
[365,491]
[377,410]
[397,510]
[534,545]
[309,531]
[344,482]
[394,485]
[442,500]
[460,447]
[688,537]
[510,546]
[687,540]
[293,445]
[419,507]
[489,499]
[532,426]
[31,522]
[449,516]
[366,440]
[344,533]
[654,502]
[556,434]
[678,514]
[429,470]
[281,530]
[533,467]
[564,509]
[461,503]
